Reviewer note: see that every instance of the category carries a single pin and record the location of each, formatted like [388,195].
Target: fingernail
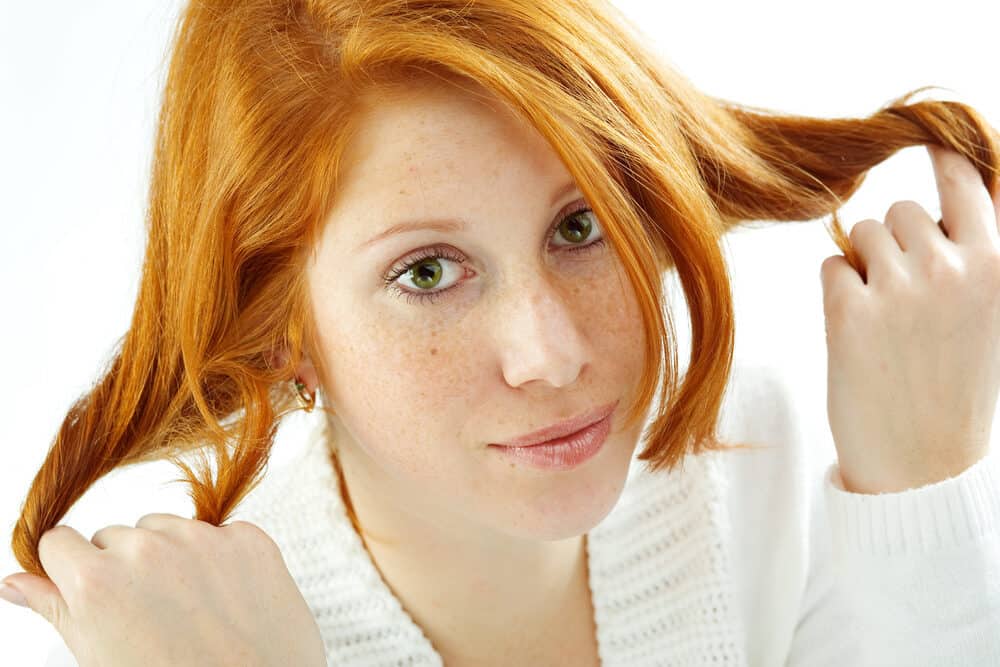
[11,594]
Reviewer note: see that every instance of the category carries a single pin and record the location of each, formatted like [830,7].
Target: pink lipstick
[564,445]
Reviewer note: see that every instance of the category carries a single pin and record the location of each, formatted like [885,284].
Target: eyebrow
[446,224]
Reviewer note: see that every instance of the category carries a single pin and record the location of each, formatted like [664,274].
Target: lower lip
[563,453]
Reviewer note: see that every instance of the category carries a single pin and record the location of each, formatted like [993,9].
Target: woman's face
[501,329]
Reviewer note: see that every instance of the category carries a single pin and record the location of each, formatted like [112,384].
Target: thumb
[38,594]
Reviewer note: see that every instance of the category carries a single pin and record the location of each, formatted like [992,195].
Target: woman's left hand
[913,360]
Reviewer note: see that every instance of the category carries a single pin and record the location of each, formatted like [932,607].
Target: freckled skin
[527,337]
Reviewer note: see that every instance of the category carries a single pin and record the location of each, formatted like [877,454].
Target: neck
[476,596]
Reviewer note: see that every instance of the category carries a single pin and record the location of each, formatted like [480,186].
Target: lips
[562,429]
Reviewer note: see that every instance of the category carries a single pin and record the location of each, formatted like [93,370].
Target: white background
[80,85]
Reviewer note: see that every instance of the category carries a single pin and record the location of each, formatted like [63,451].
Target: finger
[914,229]
[967,210]
[42,597]
[878,250]
[174,525]
[837,271]
[159,520]
[61,550]
[109,535]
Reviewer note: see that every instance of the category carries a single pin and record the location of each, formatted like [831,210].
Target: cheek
[410,386]
[616,335]
[397,386]
[611,320]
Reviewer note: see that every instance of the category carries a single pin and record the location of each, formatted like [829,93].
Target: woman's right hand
[172,591]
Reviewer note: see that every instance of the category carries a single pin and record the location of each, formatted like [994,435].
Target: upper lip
[563,428]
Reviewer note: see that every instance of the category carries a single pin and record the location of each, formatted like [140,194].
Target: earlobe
[305,372]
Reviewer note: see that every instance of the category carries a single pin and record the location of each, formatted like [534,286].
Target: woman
[447,223]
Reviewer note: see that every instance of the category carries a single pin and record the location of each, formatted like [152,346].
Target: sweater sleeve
[908,578]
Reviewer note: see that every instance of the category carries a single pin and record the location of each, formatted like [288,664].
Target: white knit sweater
[742,557]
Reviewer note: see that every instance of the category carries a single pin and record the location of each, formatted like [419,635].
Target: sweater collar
[656,565]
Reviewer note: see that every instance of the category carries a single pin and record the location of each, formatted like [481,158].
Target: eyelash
[442,252]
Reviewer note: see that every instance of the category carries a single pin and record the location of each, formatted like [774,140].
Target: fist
[172,591]
[913,360]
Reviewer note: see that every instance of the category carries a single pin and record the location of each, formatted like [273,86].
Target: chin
[570,503]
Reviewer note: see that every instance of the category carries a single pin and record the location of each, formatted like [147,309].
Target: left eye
[426,271]
[575,231]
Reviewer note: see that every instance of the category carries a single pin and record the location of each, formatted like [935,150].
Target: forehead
[431,131]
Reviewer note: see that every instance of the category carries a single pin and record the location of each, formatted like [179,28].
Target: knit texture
[753,557]
[658,576]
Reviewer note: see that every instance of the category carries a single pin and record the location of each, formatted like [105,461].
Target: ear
[305,371]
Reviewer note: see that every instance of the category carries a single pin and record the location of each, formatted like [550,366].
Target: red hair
[260,101]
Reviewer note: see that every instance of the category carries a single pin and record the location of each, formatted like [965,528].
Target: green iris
[427,273]
[576,232]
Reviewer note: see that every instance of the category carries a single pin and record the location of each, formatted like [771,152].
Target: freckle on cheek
[433,351]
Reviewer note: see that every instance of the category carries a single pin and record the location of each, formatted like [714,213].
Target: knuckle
[254,536]
[830,263]
[42,541]
[864,228]
[245,528]
[193,529]
[45,541]
[940,266]
[859,227]
[902,209]
[952,171]
[157,519]
[98,535]
[149,544]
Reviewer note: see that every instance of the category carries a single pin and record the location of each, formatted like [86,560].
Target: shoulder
[785,425]
[289,491]
[774,496]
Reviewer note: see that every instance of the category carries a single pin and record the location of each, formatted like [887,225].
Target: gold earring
[307,400]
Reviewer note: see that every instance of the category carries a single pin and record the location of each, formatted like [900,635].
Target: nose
[539,334]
